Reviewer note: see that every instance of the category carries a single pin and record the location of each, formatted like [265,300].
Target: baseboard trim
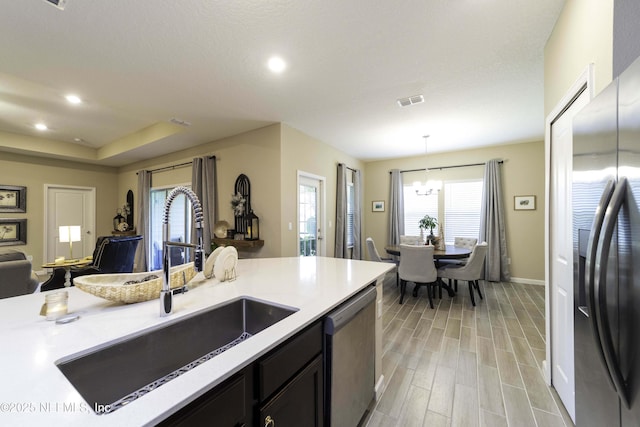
[527,281]
[379,388]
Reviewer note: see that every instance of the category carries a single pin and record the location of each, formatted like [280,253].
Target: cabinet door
[227,405]
[299,403]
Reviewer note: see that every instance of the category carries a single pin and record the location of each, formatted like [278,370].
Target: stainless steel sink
[116,373]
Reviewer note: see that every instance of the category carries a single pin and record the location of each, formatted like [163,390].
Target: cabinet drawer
[275,369]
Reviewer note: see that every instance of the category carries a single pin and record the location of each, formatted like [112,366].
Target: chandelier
[431,187]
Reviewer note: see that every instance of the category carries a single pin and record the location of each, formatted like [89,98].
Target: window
[179,226]
[415,208]
[462,204]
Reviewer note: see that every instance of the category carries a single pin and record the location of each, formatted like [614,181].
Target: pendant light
[430,187]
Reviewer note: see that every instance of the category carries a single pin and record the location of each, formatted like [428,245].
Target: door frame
[321,244]
[46,232]
[584,83]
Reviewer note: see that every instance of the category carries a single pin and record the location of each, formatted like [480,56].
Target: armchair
[16,275]
[113,254]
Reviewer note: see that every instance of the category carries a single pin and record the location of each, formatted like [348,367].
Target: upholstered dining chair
[410,240]
[417,266]
[471,271]
[459,242]
[375,256]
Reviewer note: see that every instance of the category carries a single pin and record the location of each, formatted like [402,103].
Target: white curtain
[396,208]
[204,184]
[492,226]
[142,219]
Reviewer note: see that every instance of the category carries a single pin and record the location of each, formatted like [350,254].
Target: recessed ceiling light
[41,126]
[276,64]
[73,99]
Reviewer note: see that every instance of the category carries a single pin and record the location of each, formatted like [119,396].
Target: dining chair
[410,240]
[459,242]
[471,271]
[375,256]
[417,266]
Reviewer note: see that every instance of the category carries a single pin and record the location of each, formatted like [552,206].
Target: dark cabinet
[228,404]
[284,387]
[299,403]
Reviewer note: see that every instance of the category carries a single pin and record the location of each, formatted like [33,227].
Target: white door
[69,206]
[561,253]
[311,227]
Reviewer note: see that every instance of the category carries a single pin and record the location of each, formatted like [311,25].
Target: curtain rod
[447,167]
[351,169]
[172,167]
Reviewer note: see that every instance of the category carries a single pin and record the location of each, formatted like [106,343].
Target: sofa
[112,254]
[16,275]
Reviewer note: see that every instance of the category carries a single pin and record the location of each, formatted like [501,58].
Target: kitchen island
[35,392]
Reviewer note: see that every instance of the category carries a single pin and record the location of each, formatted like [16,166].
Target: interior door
[310,215]
[561,253]
[69,206]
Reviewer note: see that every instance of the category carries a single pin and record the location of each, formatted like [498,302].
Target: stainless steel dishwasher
[349,350]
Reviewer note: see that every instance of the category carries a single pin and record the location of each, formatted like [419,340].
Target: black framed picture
[13,198]
[13,232]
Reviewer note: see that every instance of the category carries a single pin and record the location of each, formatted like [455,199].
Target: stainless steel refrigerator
[606,241]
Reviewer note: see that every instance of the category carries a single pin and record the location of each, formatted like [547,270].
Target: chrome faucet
[166,294]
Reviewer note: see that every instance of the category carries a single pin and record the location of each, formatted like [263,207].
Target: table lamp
[69,233]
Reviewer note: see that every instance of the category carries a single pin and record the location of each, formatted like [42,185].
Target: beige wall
[301,152]
[522,174]
[255,154]
[582,35]
[35,172]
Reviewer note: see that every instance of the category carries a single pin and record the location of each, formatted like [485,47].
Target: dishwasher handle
[347,311]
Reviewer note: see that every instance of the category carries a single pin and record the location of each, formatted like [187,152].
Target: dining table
[449,252]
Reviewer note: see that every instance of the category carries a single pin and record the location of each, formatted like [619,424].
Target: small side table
[67,268]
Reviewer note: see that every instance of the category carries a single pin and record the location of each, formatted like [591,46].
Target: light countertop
[35,392]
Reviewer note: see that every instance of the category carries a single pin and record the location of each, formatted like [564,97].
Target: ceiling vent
[60,4]
[415,99]
[180,122]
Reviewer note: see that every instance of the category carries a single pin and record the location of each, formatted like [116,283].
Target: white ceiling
[478,63]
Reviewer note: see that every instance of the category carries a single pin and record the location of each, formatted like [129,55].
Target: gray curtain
[492,226]
[340,250]
[142,219]
[357,215]
[204,184]
[396,208]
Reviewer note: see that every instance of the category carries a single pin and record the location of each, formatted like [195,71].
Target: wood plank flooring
[456,365]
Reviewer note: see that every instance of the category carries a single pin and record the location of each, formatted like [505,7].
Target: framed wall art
[377,206]
[13,198]
[13,232]
[524,203]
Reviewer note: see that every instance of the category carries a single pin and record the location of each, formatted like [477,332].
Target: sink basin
[116,373]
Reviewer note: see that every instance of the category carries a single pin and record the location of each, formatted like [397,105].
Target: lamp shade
[69,233]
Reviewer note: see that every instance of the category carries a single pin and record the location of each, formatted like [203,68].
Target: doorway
[67,205]
[559,369]
[311,215]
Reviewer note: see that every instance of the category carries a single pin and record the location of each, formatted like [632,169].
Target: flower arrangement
[237,204]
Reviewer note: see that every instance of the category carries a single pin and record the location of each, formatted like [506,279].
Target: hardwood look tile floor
[459,365]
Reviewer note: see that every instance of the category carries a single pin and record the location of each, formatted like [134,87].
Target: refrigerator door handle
[600,288]
[592,245]
[590,263]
